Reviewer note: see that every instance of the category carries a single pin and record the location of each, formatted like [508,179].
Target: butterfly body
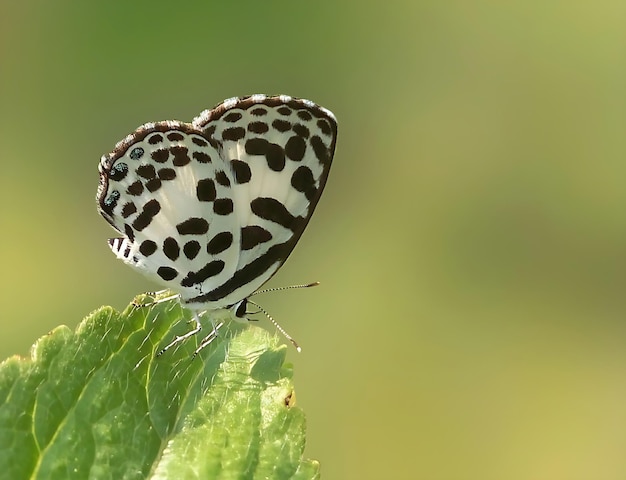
[211,209]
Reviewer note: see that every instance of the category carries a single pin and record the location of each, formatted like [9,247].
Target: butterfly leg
[156,292]
[181,338]
[155,302]
[209,338]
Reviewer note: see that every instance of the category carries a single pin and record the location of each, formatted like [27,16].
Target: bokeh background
[471,241]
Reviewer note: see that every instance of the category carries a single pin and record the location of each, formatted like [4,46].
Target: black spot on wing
[295,148]
[232,117]
[220,242]
[167,174]
[148,212]
[128,209]
[201,157]
[199,141]
[320,150]
[256,146]
[258,127]
[181,156]
[135,189]
[175,136]
[324,126]
[281,125]
[167,273]
[171,249]
[205,190]
[223,206]
[303,181]
[161,155]
[301,130]
[275,157]
[233,133]
[241,171]
[129,232]
[153,184]
[304,115]
[222,178]
[110,202]
[191,249]
[147,248]
[209,270]
[254,235]
[193,226]
[136,153]
[272,210]
[146,171]
[118,171]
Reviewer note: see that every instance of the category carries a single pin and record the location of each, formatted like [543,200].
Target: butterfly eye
[136,153]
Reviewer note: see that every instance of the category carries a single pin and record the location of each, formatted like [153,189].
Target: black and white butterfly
[211,209]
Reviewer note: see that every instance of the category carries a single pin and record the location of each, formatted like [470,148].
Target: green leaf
[99,403]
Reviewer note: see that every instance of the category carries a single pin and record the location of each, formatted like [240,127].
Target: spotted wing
[277,152]
[212,209]
[164,189]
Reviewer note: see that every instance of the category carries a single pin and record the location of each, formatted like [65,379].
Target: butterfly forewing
[212,209]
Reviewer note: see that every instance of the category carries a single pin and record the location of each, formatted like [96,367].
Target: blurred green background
[471,241]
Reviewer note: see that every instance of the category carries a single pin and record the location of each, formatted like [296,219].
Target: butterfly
[211,209]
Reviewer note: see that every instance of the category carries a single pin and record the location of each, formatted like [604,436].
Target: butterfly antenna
[278,327]
[276,289]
